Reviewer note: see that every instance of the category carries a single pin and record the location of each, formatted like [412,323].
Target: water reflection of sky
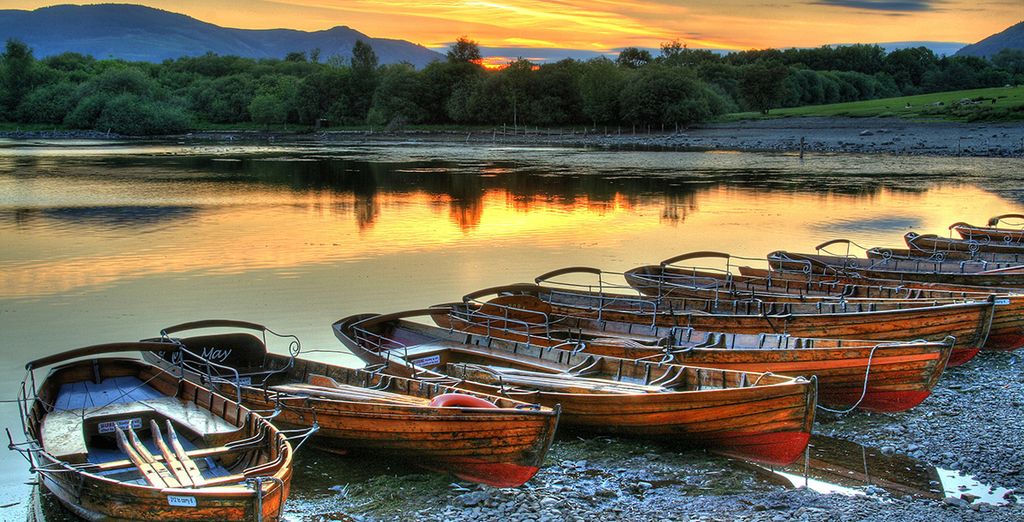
[82,223]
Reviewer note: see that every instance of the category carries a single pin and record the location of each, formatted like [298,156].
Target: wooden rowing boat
[669,279]
[992,232]
[1007,329]
[759,416]
[119,439]
[943,255]
[502,444]
[968,322]
[871,375]
[930,245]
[972,273]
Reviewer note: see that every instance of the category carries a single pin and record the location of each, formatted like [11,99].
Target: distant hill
[939,48]
[139,33]
[1011,38]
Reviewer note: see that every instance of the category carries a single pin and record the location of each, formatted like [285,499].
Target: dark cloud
[885,5]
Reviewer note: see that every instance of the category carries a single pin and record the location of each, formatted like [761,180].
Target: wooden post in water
[801,147]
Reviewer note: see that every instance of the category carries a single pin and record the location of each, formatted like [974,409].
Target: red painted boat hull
[962,355]
[496,474]
[779,448]
[887,401]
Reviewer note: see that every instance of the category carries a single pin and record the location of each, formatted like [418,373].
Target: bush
[121,80]
[86,112]
[135,116]
[49,104]
[268,109]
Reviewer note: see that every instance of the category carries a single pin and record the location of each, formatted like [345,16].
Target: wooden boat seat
[425,348]
[64,431]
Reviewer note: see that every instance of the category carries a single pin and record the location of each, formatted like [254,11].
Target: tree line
[675,88]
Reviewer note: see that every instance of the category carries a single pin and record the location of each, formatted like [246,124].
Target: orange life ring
[454,400]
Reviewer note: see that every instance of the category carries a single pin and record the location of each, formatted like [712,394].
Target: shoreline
[969,424]
[812,135]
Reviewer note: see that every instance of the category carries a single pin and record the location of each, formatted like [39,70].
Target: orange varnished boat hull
[1006,332]
[503,449]
[899,375]
[769,422]
[969,323]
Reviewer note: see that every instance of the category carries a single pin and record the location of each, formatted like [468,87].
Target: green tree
[121,80]
[364,60]
[361,84]
[763,85]
[49,103]
[396,100]
[1010,60]
[461,104]
[321,96]
[672,49]
[439,81]
[267,109]
[554,94]
[274,100]
[223,100]
[633,57]
[16,75]
[464,50]
[133,115]
[909,66]
[660,95]
[600,84]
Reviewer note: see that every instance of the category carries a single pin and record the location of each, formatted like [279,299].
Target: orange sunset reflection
[323,229]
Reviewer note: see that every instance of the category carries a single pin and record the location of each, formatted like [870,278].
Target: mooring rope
[863,391]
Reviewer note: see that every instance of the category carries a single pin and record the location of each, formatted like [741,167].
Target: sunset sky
[603,25]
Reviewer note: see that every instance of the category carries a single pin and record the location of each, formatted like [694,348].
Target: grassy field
[993,104]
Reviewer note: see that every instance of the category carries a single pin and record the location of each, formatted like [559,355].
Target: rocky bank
[972,423]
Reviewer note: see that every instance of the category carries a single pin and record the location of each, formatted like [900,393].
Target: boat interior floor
[81,428]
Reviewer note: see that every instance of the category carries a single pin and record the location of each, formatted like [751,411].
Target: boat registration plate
[1002,301]
[110,426]
[245,381]
[433,360]
[180,501]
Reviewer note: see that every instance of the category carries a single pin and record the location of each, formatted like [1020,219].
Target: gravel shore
[818,135]
[856,135]
[810,134]
[972,423]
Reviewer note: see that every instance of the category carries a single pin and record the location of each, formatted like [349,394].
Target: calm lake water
[103,242]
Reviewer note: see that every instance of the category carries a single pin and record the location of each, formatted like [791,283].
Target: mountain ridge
[139,33]
[1010,38]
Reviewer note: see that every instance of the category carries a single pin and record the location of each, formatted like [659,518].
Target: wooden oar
[346,392]
[182,455]
[590,381]
[559,382]
[172,460]
[147,456]
[194,454]
[145,468]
